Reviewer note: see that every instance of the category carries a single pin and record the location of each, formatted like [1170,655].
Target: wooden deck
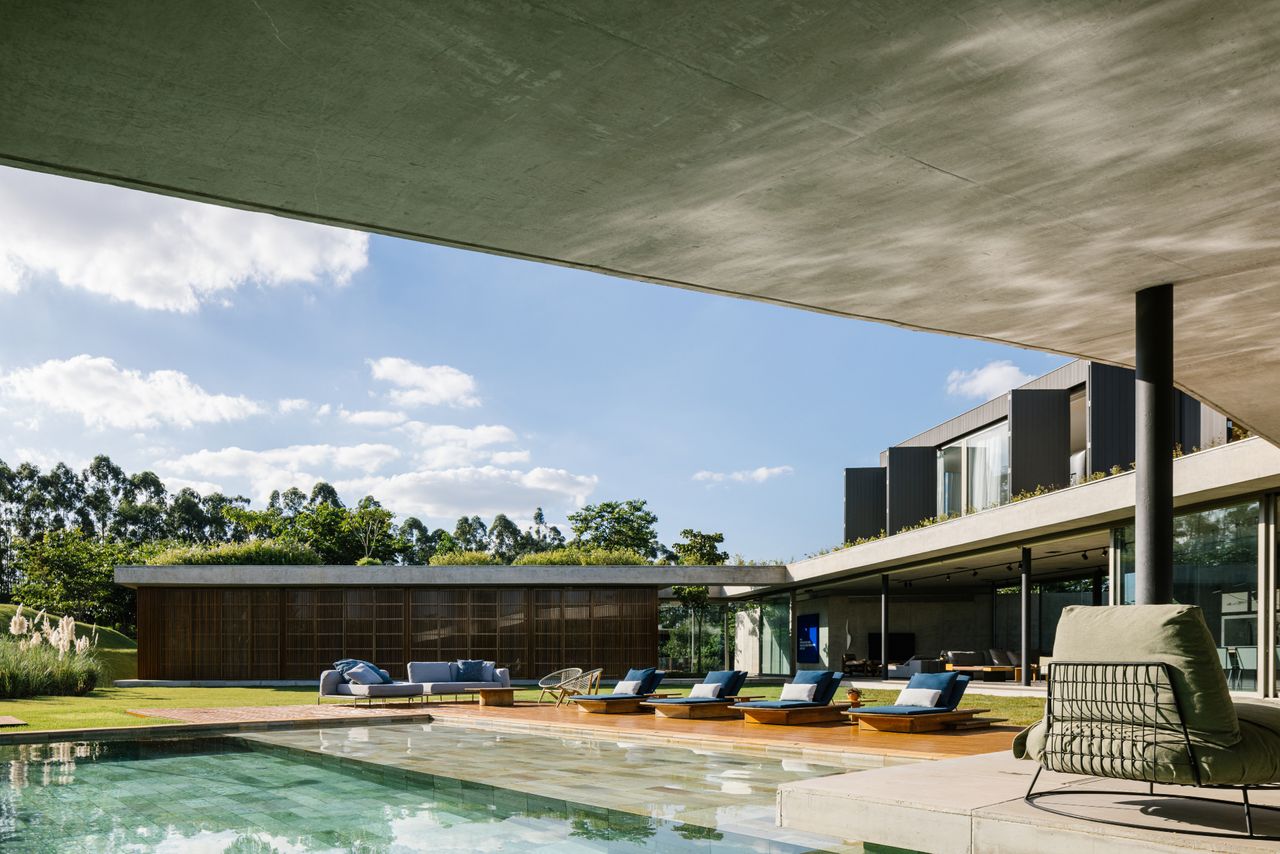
[841,737]
[838,737]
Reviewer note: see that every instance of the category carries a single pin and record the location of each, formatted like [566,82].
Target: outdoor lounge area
[582,427]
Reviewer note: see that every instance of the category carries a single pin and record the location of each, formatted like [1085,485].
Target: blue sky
[235,350]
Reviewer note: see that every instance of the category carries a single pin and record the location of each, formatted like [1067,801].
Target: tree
[471,535]
[506,541]
[67,572]
[617,525]
[701,549]
[542,537]
[323,494]
[186,519]
[414,543]
[371,526]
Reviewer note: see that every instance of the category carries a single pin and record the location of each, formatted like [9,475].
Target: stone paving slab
[10,720]
[975,804]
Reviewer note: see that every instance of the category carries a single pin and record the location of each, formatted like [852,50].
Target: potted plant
[855,697]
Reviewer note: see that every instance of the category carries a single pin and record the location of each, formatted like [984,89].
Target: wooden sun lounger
[789,717]
[600,704]
[932,722]
[699,711]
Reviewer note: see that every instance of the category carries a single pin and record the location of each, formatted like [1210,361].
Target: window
[973,472]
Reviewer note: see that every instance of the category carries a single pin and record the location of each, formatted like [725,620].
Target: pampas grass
[47,658]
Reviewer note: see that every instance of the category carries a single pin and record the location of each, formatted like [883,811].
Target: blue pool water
[226,795]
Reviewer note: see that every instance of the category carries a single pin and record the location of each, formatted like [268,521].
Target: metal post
[884,627]
[1026,621]
[1097,587]
[1153,507]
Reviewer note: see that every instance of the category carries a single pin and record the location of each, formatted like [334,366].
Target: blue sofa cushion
[945,683]
[730,681]
[471,670]
[649,678]
[778,704]
[430,671]
[901,710]
[347,663]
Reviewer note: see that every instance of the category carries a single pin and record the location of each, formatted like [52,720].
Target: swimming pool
[394,788]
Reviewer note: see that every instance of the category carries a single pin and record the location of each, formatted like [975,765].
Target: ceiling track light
[1084,555]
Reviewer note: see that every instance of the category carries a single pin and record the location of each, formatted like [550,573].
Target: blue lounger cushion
[689,701]
[777,704]
[609,698]
[948,684]
[730,681]
[649,677]
[901,710]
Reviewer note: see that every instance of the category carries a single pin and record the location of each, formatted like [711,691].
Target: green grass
[107,706]
[118,652]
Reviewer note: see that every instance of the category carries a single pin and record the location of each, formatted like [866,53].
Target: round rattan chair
[587,683]
[552,681]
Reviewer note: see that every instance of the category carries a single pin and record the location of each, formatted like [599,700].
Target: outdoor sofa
[337,683]
[1138,693]
[444,678]
[916,664]
[720,705]
[910,717]
[789,712]
[633,689]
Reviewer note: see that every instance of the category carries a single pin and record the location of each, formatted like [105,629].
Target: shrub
[576,556]
[45,658]
[473,558]
[67,572]
[368,561]
[252,553]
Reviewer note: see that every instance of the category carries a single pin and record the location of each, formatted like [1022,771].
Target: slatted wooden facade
[296,632]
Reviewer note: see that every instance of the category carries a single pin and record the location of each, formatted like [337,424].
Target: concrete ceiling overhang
[1011,170]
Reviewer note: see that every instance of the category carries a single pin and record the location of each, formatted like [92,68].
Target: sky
[243,352]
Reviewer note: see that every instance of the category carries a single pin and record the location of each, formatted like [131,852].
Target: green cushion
[1173,634]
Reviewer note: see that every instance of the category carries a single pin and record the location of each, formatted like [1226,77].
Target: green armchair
[1163,715]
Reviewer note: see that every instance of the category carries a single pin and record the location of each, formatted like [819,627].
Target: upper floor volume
[1060,429]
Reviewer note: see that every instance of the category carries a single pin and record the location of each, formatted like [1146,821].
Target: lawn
[107,706]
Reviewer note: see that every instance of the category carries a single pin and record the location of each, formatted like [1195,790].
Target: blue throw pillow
[470,670]
[348,663]
[944,682]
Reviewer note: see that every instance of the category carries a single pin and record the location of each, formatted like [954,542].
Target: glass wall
[775,635]
[695,640]
[973,472]
[1215,566]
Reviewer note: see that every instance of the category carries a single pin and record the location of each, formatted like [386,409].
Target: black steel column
[1153,507]
[1026,617]
[1097,588]
[884,627]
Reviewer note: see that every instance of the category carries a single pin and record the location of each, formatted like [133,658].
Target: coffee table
[495,696]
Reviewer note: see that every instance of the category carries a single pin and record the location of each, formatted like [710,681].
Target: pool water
[245,794]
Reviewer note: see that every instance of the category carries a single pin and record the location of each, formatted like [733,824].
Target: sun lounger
[789,712]
[623,702]
[906,717]
[719,706]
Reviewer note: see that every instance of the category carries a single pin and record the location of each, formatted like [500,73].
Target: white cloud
[425,385]
[372,417]
[155,251]
[293,404]
[442,446]
[991,380]
[506,458]
[323,410]
[105,395]
[204,487]
[483,490]
[756,475]
[280,468]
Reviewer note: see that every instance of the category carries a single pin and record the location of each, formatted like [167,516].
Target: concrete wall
[746,650]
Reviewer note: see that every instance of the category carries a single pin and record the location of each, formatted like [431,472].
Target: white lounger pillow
[799,692]
[627,686]
[927,697]
[706,689]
